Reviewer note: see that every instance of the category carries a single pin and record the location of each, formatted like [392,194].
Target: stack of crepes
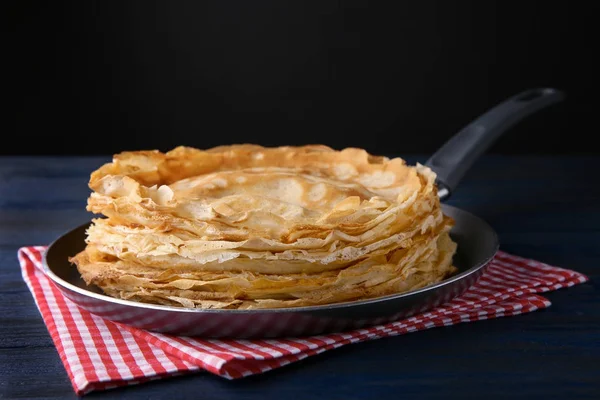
[244,227]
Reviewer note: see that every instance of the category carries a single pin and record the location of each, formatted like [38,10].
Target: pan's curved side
[477,245]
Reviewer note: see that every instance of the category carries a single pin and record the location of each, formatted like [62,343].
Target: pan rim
[285,310]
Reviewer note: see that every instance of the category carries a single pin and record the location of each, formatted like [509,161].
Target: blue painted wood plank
[542,207]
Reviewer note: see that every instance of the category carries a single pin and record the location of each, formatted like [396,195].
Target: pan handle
[458,154]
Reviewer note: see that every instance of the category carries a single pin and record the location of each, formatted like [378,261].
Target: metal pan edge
[477,242]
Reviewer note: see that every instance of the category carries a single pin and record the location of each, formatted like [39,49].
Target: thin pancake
[246,226]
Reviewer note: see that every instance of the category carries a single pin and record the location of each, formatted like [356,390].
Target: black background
[392,77]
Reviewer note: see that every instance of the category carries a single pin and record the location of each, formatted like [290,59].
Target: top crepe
[246,226]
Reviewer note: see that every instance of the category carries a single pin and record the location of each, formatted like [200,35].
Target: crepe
[246,226]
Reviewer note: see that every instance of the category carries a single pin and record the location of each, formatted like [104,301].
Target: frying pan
[477,245]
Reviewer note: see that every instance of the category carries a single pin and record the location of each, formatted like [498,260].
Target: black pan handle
[458,154]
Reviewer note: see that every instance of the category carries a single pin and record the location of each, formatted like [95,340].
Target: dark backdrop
[393,77]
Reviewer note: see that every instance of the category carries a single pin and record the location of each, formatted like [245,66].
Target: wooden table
[543,207]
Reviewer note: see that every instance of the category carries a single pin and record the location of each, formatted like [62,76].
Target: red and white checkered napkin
[99,354]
